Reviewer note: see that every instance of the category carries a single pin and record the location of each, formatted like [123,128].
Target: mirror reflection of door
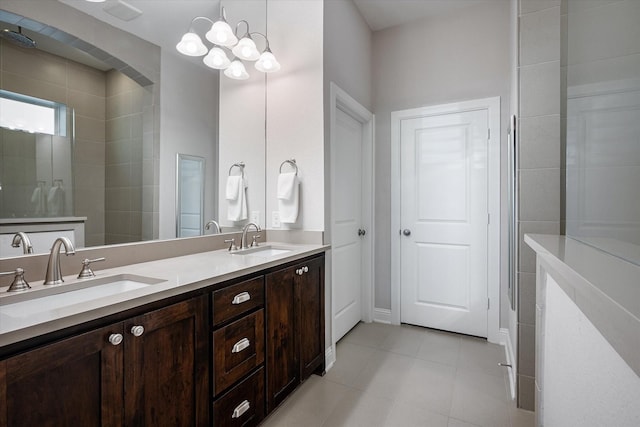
[190,196]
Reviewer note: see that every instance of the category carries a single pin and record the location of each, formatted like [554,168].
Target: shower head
[18,38]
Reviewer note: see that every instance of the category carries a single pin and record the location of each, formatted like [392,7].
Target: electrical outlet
[275,219]
[255,217]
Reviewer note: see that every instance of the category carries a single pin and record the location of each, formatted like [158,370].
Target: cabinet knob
[306,269]
[115,339]
[137,330]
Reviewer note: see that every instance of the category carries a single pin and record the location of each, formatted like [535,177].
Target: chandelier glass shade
[225,39]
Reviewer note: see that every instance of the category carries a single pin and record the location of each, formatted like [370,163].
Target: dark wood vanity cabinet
[225,358]
[119,375]
[295,327]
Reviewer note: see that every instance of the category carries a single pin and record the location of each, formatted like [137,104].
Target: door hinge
[488,304]
[488,133]
[488,218]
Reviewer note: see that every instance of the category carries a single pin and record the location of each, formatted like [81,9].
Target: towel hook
[292,162]
[237,165]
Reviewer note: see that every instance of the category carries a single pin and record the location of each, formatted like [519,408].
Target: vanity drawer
[243,405]
[238,348]
[237,299]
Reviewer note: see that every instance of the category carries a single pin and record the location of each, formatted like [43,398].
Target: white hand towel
[233,187]
[289,207]
[286,182]
[237,208]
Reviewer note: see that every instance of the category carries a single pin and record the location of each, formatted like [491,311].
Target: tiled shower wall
[540,164]
[43,75]
[124,159]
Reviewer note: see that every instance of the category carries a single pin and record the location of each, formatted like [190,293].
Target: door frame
[339,98]
[492,105]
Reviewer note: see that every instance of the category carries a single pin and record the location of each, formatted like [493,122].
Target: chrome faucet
[54,274]
[243,241]
[214,223]
[20,236]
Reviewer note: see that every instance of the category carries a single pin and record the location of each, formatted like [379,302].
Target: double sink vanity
[210,338]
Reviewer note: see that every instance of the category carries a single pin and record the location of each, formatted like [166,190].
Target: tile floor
[402,376]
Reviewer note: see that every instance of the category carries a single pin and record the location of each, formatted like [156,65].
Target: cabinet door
[74,382]
[282,351]
[310,292]
[166,366]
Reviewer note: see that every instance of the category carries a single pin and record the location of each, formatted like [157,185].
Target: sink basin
[263,251]
[60,296]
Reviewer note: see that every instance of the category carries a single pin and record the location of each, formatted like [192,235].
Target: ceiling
[164,21]
[381,14]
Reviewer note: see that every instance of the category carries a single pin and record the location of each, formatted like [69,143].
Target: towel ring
[292,162]
[237,165]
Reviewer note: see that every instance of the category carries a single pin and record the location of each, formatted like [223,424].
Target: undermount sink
[64,295]
[263,251]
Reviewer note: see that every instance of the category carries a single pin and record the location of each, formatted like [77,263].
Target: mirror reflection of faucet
[213,222]
[27,247]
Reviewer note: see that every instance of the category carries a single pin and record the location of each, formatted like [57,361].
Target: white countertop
[604,287]
[179,275]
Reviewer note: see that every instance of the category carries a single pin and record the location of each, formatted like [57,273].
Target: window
[33,115]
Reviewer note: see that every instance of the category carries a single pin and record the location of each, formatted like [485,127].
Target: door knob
[406,232]
[361,232]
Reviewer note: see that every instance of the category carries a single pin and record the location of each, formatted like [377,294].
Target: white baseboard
[381,315]
[505,340]
[329,358]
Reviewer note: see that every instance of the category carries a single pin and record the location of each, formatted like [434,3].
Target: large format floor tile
[406,376]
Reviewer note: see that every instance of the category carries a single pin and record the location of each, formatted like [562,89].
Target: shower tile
[526,350]
[540,36]
[87,79]
[90,129]
[540,142]
[540,194]
[34,64]
[33,87]
[539,88]
[527,298]
[86,104]
[528,6]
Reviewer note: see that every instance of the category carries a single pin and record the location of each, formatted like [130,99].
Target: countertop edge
[39,329]
[618,324]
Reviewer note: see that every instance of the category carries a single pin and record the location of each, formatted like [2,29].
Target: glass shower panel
[603,125]
[36,178]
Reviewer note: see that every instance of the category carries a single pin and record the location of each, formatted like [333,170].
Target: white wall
[450,58]
[188,125]
[347,63]
[295,106]
[584,381]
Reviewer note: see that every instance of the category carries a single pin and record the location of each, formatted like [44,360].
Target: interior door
[347,232]
[444,217]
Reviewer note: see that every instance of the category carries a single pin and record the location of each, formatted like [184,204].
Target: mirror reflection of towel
[236,198]
[55,201]
[38,200]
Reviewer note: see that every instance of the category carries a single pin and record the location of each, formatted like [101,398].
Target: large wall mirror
[102,163]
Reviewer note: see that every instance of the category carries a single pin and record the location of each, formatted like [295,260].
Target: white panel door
[347,222]
[444,217]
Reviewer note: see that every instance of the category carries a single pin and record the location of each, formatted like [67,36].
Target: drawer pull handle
[241,409]
[240,345]
[241,297]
